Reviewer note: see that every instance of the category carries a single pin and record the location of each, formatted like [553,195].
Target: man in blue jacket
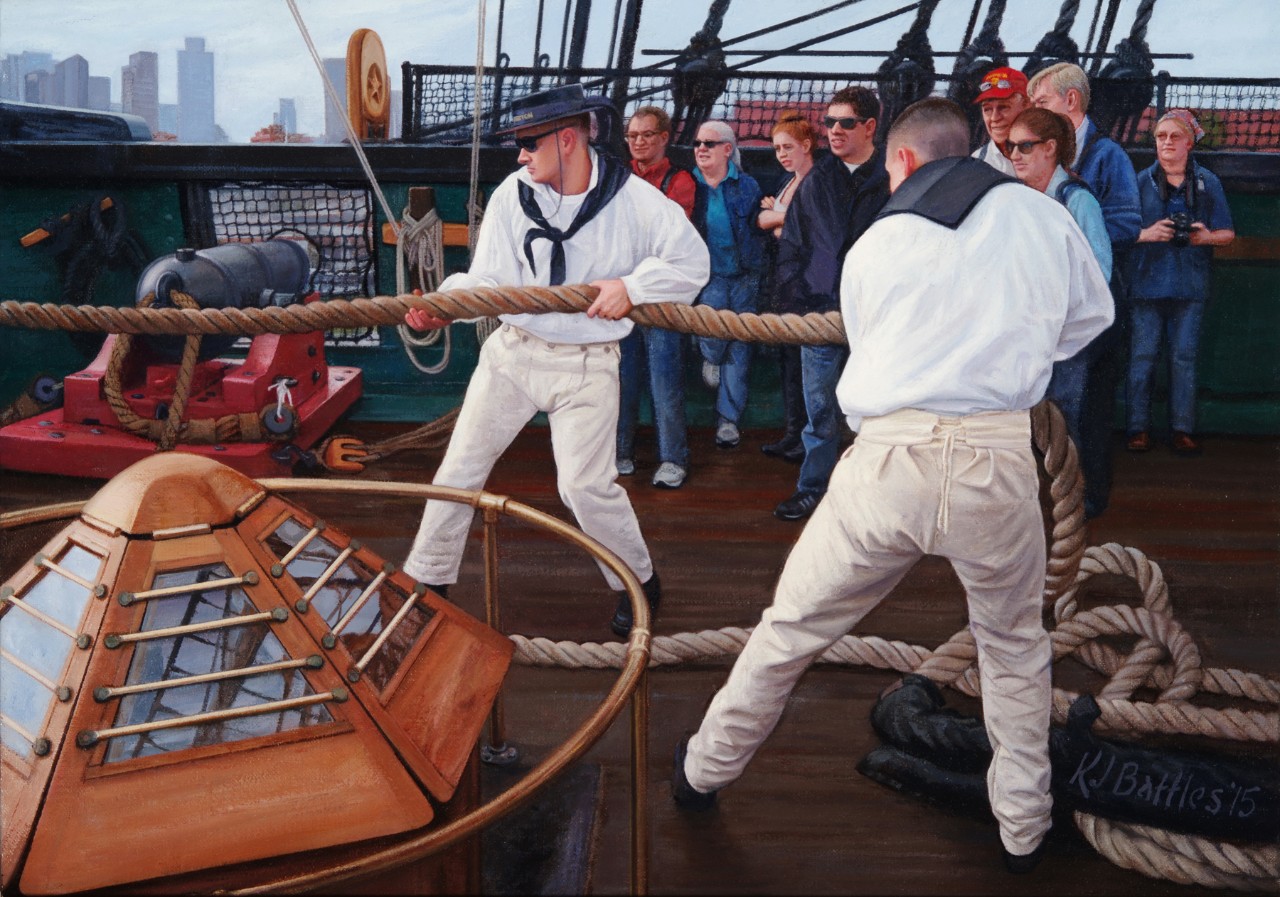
[834,204]
[1105,167]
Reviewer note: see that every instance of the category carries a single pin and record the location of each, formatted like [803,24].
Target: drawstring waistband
[984,429]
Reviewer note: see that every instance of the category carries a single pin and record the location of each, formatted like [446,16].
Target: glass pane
[199,606]
[384,664]
[23,700]
[59,598]
[339,592]
[312,561]
[287,535]
[81,562]
[36,644]
[197,653]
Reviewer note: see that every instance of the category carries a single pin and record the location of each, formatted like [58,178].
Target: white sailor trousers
[913,483]
[518,375]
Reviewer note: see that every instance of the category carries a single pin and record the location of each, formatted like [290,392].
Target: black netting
[336,221]
[1239,114]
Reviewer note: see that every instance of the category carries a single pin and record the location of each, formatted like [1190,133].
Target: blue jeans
[820,368]
[738,294]
[660,352]
[1175,322]
[1066,390]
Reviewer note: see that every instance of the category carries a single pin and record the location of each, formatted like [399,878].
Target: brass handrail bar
[33,673]
[107,692]
[359,603]
[8,721]
[47,564]
[39,615]
[329,572]
[316,529]
[247,578]
[388,629]
[89,737]
[116,639]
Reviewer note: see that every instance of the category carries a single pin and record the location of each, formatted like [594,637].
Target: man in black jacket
[834,204]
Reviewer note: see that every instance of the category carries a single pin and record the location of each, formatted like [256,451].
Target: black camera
[1181,229]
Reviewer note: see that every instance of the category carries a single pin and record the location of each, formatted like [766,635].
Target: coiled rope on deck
[1164,658]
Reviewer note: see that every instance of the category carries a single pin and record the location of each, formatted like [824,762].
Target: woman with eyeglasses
[794,139]
[724,212]
[1184,215]
[1041,145]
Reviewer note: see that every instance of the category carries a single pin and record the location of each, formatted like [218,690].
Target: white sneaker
[626,467]
[727,434]
[669,475]
[711,375]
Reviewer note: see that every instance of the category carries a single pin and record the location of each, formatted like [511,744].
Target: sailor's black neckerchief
[945,190]
[612,175]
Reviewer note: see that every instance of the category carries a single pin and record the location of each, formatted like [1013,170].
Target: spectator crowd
[1151,232]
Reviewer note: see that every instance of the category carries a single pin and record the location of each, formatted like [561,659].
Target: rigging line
[1141,19]
[537,32]
[474,180]
[1093,25]
[973,23]
[762,31]
[564,31]
[613,38]
[346,119]
[825,37]
[1104,38]
[497,47]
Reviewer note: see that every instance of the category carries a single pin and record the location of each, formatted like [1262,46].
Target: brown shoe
[1184,444]
[1139,442]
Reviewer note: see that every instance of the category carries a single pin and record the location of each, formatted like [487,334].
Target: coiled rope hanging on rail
[1164,657]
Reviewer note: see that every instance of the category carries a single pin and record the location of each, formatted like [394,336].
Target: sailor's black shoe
[1021,864]
[685,795]
[621,622]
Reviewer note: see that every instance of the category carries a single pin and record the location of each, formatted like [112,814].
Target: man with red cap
[1003,94]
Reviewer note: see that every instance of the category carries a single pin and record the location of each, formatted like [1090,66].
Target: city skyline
[261,57]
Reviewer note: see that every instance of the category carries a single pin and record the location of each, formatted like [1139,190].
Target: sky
[260,55]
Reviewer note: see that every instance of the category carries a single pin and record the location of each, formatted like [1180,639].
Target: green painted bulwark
[1239,364]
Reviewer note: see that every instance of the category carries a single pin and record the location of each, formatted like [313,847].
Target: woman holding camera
[1184,215]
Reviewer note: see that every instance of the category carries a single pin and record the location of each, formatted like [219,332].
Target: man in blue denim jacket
[725,207]
[1105,167]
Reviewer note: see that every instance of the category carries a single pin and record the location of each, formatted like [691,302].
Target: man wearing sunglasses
[1105,167]
[569,215]
[833,205]
[1002,93]
[657,349]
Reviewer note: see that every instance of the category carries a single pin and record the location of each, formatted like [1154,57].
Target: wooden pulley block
[368,85]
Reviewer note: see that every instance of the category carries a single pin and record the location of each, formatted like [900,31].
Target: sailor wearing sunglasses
[568,215]
[1002,93]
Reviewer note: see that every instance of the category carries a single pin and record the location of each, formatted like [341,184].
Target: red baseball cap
[1000,83]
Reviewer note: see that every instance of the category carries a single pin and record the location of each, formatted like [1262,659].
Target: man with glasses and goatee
[657,349]
[569,215]
[835,203]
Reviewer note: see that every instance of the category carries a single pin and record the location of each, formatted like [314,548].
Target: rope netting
[1163,657]
[1242,113]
